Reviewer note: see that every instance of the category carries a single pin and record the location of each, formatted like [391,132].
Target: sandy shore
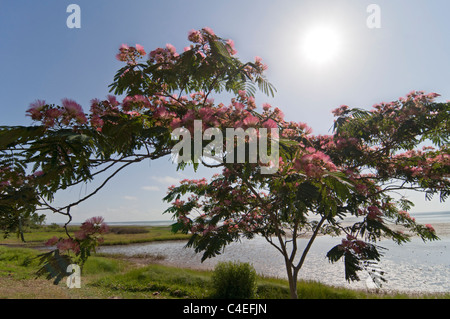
[442,229]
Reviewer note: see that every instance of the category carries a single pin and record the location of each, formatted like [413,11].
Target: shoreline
[442,230]
[423,264]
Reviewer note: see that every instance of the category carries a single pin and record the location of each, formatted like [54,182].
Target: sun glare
[321,44]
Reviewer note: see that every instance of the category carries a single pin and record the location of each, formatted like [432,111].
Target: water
[430,217]
[413,267]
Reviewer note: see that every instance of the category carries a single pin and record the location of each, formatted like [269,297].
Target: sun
[321,44]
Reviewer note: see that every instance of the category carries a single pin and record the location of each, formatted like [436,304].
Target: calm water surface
[415,266]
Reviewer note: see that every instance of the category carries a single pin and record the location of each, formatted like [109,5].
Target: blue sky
[41,58]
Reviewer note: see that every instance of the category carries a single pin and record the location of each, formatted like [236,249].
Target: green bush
[234,280]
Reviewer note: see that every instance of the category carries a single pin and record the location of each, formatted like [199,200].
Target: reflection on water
[415,266]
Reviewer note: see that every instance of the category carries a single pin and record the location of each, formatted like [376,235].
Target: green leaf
[335,254]
[16,135]
[54,266]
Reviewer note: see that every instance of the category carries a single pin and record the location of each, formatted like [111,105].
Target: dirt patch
[11,288]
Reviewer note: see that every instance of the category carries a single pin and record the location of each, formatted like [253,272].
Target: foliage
[320,179]
[71,250]
[234,280]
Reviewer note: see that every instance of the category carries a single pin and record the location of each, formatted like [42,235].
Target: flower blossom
[73,110]
[231,48]
[430,228]
[68,244]
[314,163]
[195,36]
[35,109]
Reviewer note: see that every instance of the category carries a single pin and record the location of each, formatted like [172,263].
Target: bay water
[412,267]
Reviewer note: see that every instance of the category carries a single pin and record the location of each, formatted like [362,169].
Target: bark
[21,230]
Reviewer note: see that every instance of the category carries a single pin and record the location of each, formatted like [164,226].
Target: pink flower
[171,49]
[430,228]
[270,124]
[73,110]
[239,106]
[35,109]
[52,241]
[251,120]
[38,173]
[374,213]
[121,57]
[206,114]
[304,127]
[178,203]
[97,122]
[340,110]
[176,123]
[259,64]
[209,31]
[195,36]
[51,115]
[94,225]
[133,113]
[68,244]
[80,235]
[266,107]
[231,48]
[140,49]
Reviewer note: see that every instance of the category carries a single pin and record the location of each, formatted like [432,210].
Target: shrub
[121,230]
[234,280]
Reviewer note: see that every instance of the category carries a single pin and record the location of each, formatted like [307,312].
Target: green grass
[17,262]
[118,235]
[118,277]
[158,280]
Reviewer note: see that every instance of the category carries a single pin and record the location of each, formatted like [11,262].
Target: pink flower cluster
[340,110]
[352,244]
[90,231]
[165,56]
[64,244]
[313,163]
[130,54]
[374,213]
[259,64]
[102,108]
[247,222]
[293,130]
[430,228]
[69,112]
[94,226]
[13,179]
[418,164]
[405,215]
[136,102]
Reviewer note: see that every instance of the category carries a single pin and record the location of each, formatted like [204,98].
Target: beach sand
[442,229]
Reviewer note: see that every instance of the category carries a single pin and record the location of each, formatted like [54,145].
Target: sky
[42,58]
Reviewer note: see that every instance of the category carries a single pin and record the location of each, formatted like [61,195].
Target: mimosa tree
[352,172]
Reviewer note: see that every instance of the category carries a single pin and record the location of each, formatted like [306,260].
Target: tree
[68,147]
[18,201]
[321,181]
[351,172]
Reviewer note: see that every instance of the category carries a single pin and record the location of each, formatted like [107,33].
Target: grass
[119,277]
[118,235]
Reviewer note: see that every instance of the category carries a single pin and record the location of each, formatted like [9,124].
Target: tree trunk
[21,230]
[292,278]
